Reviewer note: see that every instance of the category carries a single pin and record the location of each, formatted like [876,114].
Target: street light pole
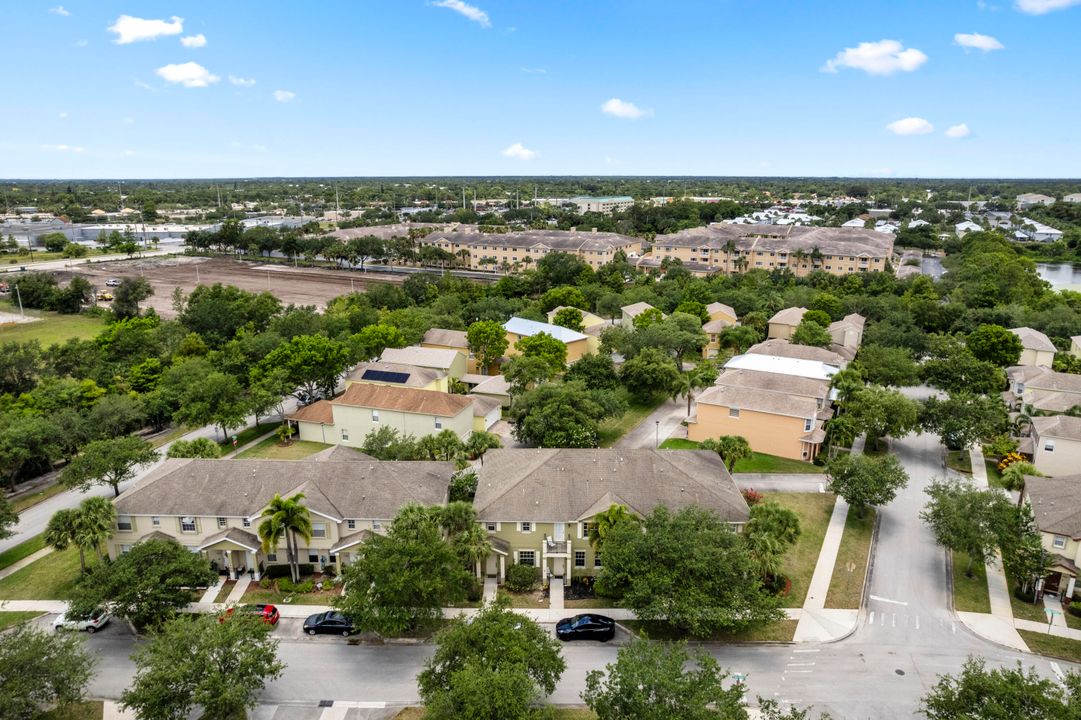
[658,433]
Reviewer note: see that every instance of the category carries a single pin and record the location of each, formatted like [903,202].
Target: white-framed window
[526,557]
[579,558]
[525,527]
[1049,445]
[351,524]
[377,525]
[191,548]
[808,424]
[125,549]
[155,521]
[733,412]
[272,557]
[313,557]
[491,526]
[187,525]
[597,560]
[375,416]
[319,530]
[222,523]
[439,423]
[345,434]
[123,523]
[1059,542]
[246,522]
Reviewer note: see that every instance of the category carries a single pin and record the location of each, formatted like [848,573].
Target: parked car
[269,613]
[305,398]
[586,627]
[91,624]
[333,623]
[112,282]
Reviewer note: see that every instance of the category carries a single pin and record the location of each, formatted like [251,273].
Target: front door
[491,567]
[560,530]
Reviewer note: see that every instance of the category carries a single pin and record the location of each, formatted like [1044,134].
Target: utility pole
[22,313]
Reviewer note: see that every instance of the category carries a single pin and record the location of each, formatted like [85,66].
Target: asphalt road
[878,672]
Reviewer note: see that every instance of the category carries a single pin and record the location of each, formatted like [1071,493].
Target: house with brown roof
[364,408]
[213,507]
[1042,389]
[1036,348]
[1054,444]
[398,375]
[537,504]
[721,316]
[1056,506]
[783,324]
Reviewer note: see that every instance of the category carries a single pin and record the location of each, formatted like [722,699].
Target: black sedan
[586,627]
[333,623]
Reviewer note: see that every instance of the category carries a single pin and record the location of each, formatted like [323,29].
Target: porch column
[502,569]
[1069,588]
[227,558]
[253,565]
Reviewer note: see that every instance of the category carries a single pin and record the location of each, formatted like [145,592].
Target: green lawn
[959,460]
[1052,645]
[994,477]
[246,435]
[613,429]
[970,594]
[50,578]
[814,510]
[531,599]
[256,594]
[762,463]
[591,603]
[1035,612]
[51,328]
[7,619]
[679,444]
[551,713]
[270,449]
[31,499]
[89,710]
[780,631]
[24,549]
[846,585]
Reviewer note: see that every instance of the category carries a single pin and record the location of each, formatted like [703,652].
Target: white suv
[92,624]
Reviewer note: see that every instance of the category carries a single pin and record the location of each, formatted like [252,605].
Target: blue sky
[530,87]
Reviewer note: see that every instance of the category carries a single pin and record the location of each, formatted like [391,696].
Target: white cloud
[82,43]
[63,114]
[958,131]
[1040,7]
[60,10]
[884,57]
[130,29]
[129,153]
[189,74]
[623,109]
[472,12]
[242,82]
[910,126]
[284,96]
[976,41]
[534,71]
[193,41]
[519,152]
[63,148]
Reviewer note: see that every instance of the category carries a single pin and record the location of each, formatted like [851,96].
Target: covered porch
[235,552]
[348,548]
[1060,579]
[495,565]
[556,559]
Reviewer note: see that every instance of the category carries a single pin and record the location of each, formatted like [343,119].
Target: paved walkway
[212,592]
[16,566]
[249,445]
[660,423]
[491,589]
[238,590]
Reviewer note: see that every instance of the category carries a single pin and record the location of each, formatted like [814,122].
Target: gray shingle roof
[1056,503]
[788,316]
[836,241]
[449,338]
[783,348]
[421,357]
[416,376]
[757,400]
[775,382]
[563,485]
[1057,426]
[1033,339]
[241,488]
[636,309]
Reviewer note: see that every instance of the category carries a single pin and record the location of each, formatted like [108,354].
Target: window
[579,558]
[187,525]
[155,521]
[123,522]
[1060,542]
[375,416]
[526,527]
[345,434]
[439,423]
[526,557]
[597,560]
[733,412]
[351,524]
[377,525]
[125,549]
[272,557]
[319,530]
[313,557]
[808,424]
[491,526]
[1049,445]
[222,523]
[246,522]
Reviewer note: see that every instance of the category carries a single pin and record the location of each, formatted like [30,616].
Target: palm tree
[604,522]
[62,531]
[729,248]
[767,554]
[472,546]
[456,518]
[1013,478]
[286,517]
[800,257]
[95,524]
[480,442]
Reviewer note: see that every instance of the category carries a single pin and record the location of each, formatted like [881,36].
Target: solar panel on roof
[385,376]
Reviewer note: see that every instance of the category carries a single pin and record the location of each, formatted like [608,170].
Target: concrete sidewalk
[16,566]
[816,622]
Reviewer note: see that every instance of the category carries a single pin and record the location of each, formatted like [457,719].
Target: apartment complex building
[727,248]
[522,248]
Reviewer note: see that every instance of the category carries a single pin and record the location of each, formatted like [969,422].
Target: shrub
[751,496]
[285,585]
[278,571]
[521,578]
[265,583]
[475,590]
[305,586]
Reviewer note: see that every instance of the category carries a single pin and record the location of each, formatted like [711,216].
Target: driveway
[656,427]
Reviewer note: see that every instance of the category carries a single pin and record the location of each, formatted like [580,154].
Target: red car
[269,613]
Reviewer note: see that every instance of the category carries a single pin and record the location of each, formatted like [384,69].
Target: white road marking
[917,622]
[806,651]
[1055,668]
[887,600]
[872,617]
[799,671]
[801,664]
[895,619]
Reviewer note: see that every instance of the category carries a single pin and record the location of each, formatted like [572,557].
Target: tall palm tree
[288,518]
[729,248]
[95,524]
[603,522]
[61,532]
[472,546]
[1013,478]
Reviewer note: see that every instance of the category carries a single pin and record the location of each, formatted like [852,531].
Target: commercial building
[605,205]
[522,248]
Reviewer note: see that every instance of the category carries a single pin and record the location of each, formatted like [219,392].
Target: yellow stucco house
[721,316]
[457,340]
[784,323]
[578,344]
[1056,505]
[448,361]
[1036,348]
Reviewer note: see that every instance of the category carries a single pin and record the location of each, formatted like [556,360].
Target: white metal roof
[813,369]
[528,328]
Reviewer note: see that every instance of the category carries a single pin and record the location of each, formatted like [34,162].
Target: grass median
[970,594]
[850,570]
[814,510]
[23,550]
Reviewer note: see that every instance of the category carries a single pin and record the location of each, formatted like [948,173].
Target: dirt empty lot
[300,286]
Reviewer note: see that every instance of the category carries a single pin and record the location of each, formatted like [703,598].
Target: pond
[1062,276]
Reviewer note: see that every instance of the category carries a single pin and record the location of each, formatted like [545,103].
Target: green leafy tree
[650,374]
[547,348]
[487,341]
[147,585]
[808,332]
[311,362]
[25,441]
[739,337]
[86,527]
[286,518]
[569,317]
[967,519]
[979,693]
[497,665]
[695,308]
[595,371]
[888,366]
[197,448]
[963,418]
[644,319]
[41,669]
[217,399]
[403,579]
[687,569]
[603,522]
[866,481]
[108,462]
[201,661]
[1013,478]
[8,518]
[952,367]
[524,373]
[994,344]
[370,342]
[662,681]
[563,415]
[128,295]
[881,412]
[702,375]
[731,448]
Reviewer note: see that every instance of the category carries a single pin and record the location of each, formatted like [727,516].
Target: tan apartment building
[364,408]
[775,423]
[1054,444]
[578,344]
[1036,348]
[213,507]
[521,249]
[783,324]
[1042,388]
[537,504]
[728,248]
[1056,505]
